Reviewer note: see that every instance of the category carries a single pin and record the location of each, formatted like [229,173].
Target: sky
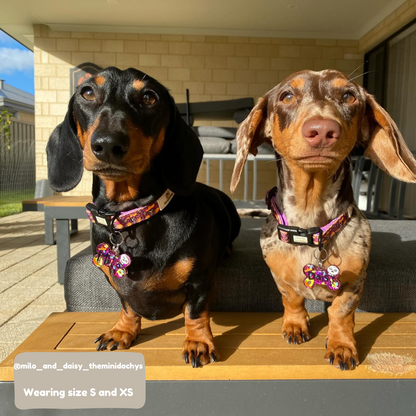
[16,64]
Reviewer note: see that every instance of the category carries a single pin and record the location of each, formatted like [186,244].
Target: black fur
[181,155]
[64,155]
[199,223]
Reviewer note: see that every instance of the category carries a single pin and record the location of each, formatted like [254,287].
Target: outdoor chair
[243,282]
[367,182]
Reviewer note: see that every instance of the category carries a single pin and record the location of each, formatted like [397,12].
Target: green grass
[11,201]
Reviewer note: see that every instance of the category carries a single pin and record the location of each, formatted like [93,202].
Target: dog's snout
[321,132]
[109,148]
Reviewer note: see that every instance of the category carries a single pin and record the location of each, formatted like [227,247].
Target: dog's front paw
[342,355]
[295,333]
[199,353]
[115,340]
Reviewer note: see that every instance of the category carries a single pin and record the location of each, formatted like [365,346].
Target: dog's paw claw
[342,357]
[113,340]
[200,353]
[294,334]
[114,346]
[99,338]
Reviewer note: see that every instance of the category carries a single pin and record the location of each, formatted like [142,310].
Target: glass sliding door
[391,79]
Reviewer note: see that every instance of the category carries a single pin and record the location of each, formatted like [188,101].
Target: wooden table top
[60,201]
[250,344]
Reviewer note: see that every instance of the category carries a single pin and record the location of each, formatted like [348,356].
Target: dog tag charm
[106,256]
[317,275]
[120,265]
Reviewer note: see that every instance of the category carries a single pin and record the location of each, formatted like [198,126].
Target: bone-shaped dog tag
[110,257]
[317,275]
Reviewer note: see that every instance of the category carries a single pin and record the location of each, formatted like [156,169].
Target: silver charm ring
[319,257]
[112,238]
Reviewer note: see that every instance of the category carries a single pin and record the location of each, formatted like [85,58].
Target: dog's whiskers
[356,69]
[148,68]
[364,73]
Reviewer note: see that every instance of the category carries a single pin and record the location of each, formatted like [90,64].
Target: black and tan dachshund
[125,128]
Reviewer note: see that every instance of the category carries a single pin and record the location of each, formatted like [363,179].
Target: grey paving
[29,289]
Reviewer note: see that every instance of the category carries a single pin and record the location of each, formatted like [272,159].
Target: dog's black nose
[109,147]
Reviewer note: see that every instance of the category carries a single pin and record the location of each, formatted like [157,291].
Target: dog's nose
[109,147]
[321,132]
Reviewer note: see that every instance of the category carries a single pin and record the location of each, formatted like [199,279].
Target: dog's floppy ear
[385,144]
[181,155]
[250,135]
[65,156]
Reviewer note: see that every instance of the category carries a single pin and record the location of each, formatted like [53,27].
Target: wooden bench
[256,364]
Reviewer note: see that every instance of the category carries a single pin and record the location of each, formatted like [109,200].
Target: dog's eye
[149,98]
[348,98]
[288,98]
[88,94]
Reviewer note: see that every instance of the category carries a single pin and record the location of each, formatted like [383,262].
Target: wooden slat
[69,201]
[176,327]
[60,200]
[231,318]
[250,345]
[257,342]
[39,201]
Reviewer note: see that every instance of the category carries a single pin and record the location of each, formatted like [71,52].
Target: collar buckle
[101,216]
[299,236]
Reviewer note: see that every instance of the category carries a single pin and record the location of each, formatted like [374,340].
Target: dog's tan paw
[115,340]
[344,357]
[295,332]
[199,353]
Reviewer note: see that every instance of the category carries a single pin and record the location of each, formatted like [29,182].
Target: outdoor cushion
[215,145]
[244,283]
[218,110]
[263,149]
[214,131]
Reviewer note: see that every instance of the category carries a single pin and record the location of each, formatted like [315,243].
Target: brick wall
[212,67]
[391,24]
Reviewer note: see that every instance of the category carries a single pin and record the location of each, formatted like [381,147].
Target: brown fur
[106,271]
[124,331]
[198,337]
[100,80]
[314,188]
[339,82]
[142,151]
[138,84]
[122,191]
[173,277]
[297,83]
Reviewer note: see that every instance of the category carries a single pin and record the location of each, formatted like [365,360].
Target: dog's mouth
[316,159]
[110,172]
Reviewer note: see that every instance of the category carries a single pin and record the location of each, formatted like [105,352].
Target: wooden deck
[250,344]
[29,291]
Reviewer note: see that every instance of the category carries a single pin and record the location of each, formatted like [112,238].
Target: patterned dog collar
[313,237]
[120,220]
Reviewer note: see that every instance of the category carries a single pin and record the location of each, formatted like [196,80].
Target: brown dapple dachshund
[125,128]
[314,120]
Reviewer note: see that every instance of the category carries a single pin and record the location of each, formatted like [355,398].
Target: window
[391,78]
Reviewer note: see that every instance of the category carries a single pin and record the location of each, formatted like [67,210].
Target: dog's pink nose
[321,132]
